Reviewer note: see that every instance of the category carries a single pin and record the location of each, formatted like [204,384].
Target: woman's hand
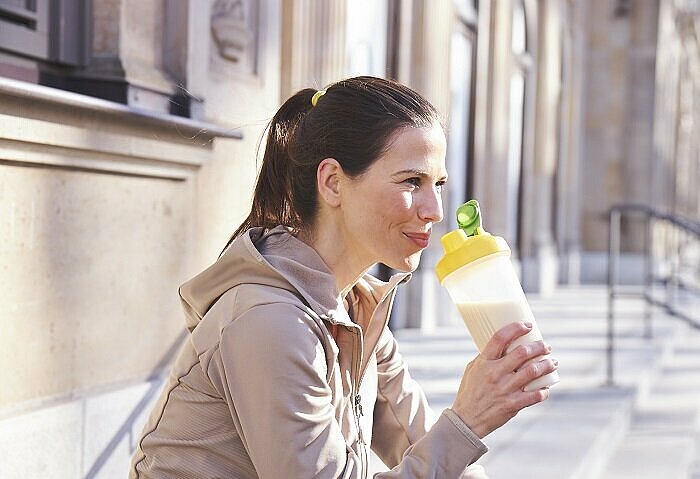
[491,392]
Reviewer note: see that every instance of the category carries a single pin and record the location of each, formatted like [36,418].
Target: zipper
[363,445]
[357,400]
[358,404]
[360,374]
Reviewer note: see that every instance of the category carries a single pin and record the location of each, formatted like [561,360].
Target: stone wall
[106,208]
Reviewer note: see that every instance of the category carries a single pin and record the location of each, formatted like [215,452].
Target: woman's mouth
[420,239]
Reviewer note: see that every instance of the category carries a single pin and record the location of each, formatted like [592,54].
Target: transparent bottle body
[489,296]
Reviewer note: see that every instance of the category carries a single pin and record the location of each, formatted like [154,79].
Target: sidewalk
[645,426]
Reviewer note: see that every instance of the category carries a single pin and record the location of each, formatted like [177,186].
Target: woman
[290,370]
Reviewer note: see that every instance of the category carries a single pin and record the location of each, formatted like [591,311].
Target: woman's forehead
[416,148]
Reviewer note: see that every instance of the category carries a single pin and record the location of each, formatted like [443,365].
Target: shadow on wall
[155,378]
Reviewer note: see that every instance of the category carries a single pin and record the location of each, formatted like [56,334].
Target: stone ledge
[46,141]
[38,142]
[185,125]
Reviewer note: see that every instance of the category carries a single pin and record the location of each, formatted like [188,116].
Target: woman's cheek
[406,199]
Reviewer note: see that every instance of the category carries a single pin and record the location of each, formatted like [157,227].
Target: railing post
[613,254]
[671,284]
[648,273]
[666,235]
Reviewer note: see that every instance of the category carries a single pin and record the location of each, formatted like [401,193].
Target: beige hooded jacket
[277,381]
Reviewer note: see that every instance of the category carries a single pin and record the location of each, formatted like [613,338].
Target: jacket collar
[277,258]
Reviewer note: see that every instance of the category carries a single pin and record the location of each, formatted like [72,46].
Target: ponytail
[273,202]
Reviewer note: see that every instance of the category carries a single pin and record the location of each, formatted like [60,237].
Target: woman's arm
[403,422]
[490,394]
[272,369]
[401,412]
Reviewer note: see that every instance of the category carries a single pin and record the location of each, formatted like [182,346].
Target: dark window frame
[51,31]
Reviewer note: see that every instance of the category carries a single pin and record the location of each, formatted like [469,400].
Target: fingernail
[527,324]
[556,363]
[549,348]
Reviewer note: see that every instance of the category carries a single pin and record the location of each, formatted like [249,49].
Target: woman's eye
[440,186]
[413,181]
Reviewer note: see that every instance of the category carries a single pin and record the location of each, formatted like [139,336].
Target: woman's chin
[409,264]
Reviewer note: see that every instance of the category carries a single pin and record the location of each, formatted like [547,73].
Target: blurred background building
[129,135]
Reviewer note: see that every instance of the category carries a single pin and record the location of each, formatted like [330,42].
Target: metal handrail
[672,282]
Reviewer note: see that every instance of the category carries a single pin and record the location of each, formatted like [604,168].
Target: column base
[540,273]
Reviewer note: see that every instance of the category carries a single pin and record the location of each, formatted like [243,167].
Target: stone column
[540,267]
[430,61]
[313,44]
[492,114]
[405,41]
[568,216]
[639,121]
[424,66]
[693,210]
[666,107]
[685,191]
[431,74]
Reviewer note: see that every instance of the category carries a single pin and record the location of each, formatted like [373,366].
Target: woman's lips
[421,239]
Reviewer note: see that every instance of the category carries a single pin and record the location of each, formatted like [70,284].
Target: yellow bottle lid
[461,249]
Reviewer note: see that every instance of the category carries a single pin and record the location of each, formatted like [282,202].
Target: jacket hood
[278,259]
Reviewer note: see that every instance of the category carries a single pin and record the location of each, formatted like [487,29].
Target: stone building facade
[129,135]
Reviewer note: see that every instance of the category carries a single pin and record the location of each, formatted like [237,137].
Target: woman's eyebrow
[417,172]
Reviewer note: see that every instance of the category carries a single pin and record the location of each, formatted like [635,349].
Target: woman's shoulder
[278,331]
[256,300]
[251,307]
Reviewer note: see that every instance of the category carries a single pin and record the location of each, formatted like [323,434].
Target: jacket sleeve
[404,435]
[272,368]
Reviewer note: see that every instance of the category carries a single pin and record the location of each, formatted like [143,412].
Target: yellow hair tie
[317,95]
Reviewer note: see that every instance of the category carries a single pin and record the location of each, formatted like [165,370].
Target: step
[566,437]
[663,437]
[652,456]
[592,416]
[581,423]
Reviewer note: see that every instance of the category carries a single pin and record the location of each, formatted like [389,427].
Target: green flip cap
[469,218]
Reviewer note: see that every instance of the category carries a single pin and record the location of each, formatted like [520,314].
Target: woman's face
[390,209]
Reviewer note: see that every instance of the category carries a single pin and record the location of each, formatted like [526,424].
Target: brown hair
[353,122]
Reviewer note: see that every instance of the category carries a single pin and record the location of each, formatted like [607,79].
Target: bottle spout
[469,218]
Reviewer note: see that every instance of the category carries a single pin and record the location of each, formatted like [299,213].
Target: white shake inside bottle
[478,274]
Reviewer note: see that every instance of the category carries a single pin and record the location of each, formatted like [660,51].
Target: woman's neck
[344,263]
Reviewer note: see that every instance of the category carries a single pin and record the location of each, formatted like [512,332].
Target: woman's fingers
[529,398]
[529,372]
[491,391]
[500,341]
[515,359]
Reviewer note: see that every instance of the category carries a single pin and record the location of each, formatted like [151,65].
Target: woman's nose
[431,205]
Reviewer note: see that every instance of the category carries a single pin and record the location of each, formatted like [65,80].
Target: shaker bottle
[478,274]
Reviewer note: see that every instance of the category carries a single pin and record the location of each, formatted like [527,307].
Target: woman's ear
[328,178]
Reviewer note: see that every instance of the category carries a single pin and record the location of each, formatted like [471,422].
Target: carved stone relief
[233,29]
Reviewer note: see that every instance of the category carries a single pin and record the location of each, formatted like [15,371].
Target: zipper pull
[358,404]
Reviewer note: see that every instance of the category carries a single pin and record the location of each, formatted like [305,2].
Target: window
[53,31]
